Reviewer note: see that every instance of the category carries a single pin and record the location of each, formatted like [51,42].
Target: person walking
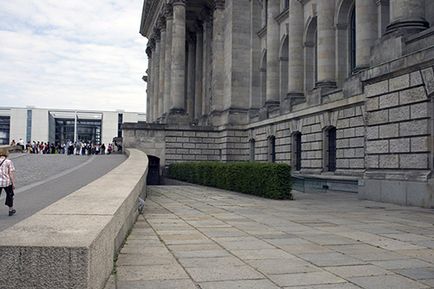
[7,179]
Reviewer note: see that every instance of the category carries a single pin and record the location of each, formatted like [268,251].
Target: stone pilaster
[273,43]
[326,45]
[149,83]
[255,101]
[198,98]
[207,61]
[217,83]
[295,53]
[383,13]
[177,79]
[191,65]
[156,72]
[407,16]
[366,31]
[162,26]
[168,58]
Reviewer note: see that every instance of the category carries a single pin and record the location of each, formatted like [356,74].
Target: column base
[326,84]
[177,116]
[270,109]
[407,26]
[291,99]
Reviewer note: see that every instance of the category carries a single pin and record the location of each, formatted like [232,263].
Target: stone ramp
[197,237]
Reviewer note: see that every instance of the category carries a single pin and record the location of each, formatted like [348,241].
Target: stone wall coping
[88,226]
[310,111]
[326,177]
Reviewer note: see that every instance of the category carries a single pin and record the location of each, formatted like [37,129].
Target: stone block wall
[187,145]
[350,140]
[398,127]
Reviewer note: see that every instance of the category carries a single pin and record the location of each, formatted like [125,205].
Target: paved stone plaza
[197,237]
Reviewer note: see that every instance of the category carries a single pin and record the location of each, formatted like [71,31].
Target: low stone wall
[71,244]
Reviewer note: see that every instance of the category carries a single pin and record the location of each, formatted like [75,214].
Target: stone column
[407,16]
[149,83]
[207,61]
[198,95]
[156,73]
[162,26]
[366,31]
[177,79]
[383,13]
[326,45]
[168,58]
[191,65]
[296,53]
[218,56]
[273,44]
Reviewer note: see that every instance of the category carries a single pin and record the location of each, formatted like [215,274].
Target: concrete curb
[71,244]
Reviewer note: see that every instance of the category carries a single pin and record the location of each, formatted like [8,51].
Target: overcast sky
[77,54]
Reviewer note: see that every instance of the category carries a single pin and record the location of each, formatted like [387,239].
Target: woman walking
[7,179]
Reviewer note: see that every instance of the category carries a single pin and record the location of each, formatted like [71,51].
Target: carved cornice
[151,43]
[168,11]
[161,23]
[149,51]
[157,34]
[178,2]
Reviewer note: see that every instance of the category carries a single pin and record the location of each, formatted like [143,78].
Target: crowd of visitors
[68,148]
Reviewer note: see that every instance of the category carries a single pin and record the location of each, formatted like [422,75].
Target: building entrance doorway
[153,171]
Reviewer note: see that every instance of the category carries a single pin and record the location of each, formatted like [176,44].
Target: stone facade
[339,89]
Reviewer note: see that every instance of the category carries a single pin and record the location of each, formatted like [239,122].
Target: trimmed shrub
[269,180]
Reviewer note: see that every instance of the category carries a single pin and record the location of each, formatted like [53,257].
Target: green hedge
[269,180]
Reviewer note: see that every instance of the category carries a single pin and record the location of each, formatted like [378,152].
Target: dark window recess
[272,149]
[252,150]
[5,122]
[331,149]
[29,126]
[120,121]
[297,151]
[353,40]
[285,4]
[153,177]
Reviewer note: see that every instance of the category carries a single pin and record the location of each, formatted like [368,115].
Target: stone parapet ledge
[72,243]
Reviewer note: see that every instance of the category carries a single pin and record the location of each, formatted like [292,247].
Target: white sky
[75,54]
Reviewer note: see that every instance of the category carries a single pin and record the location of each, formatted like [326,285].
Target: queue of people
[68,148]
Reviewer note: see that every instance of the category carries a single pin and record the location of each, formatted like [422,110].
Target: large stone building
[339,89]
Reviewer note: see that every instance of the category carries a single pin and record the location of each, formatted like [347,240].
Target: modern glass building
[61,125]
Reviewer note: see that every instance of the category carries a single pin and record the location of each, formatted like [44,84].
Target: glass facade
[29,126]
[88,130]
[120,121]
[5,123]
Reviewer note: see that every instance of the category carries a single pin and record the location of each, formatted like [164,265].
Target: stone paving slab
[193,237]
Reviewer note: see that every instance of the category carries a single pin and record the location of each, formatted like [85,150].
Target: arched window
[283,71]
[252,143]
[263,71]
[272,149]
[352,44]
[330,149]
[296,151]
